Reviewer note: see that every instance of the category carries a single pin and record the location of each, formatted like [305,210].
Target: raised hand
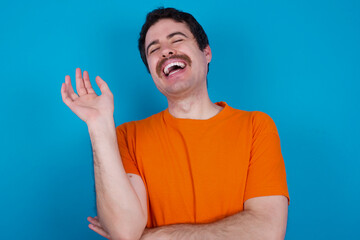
[86,104]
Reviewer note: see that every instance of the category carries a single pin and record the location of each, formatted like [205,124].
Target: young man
[197,170]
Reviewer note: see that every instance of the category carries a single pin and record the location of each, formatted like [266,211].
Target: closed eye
[153,50]
[178,40]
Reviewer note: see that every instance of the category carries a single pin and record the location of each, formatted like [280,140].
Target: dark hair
[179,16]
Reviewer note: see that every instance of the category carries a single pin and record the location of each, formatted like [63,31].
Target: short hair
[179,16]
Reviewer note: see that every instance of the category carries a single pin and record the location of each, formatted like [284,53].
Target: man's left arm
[262,218]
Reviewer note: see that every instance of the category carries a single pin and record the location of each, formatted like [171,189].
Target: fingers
[80,85]
[102,85]
[94,221]
[99,231]
[96,227]
[83,86]
[69,88]
[87,83]
[67,93]
[65,97]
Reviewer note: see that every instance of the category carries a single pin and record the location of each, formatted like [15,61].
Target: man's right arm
[121,210]
[121,201]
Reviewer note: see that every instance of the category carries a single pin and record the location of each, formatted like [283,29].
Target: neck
[196,106]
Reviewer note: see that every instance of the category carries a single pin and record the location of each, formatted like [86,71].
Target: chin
[176,90]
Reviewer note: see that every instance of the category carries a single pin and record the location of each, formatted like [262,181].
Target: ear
[208,54]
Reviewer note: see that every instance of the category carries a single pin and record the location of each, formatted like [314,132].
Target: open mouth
[176,63]
[173,67]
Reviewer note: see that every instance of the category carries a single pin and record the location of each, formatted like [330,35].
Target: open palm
[86,104]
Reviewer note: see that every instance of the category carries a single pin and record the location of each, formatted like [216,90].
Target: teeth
[174,72]
[180,64]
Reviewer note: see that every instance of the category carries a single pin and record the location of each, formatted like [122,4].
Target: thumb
[102,85]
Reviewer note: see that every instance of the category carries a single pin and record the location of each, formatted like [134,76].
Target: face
[177,65]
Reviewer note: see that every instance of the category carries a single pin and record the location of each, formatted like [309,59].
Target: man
[198,170]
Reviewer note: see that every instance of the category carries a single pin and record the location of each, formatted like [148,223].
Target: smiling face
[177,65]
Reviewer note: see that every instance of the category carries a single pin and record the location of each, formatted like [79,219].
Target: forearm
[119,208]
[243,225]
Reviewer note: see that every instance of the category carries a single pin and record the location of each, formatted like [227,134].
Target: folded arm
[262,218]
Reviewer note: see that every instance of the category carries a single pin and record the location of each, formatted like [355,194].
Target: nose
[167,52]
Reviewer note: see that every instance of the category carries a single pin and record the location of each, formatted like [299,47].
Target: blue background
[298,61]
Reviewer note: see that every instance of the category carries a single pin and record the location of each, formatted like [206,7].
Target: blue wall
[298,61]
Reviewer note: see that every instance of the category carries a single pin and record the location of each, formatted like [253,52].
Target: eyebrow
[176,33]
[168,37]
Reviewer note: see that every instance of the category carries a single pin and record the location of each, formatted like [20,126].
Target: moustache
[162,61]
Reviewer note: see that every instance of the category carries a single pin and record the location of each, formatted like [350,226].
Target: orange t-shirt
[200,171]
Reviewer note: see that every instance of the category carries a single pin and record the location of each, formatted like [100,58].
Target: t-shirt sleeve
[266,172]
[125,140]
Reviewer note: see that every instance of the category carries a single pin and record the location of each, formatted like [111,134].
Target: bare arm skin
[262,218]
[121,198]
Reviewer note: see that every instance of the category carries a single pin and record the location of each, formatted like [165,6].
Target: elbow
[133,232]
[275,233]
[276,236]
[270,236]
[126,236]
